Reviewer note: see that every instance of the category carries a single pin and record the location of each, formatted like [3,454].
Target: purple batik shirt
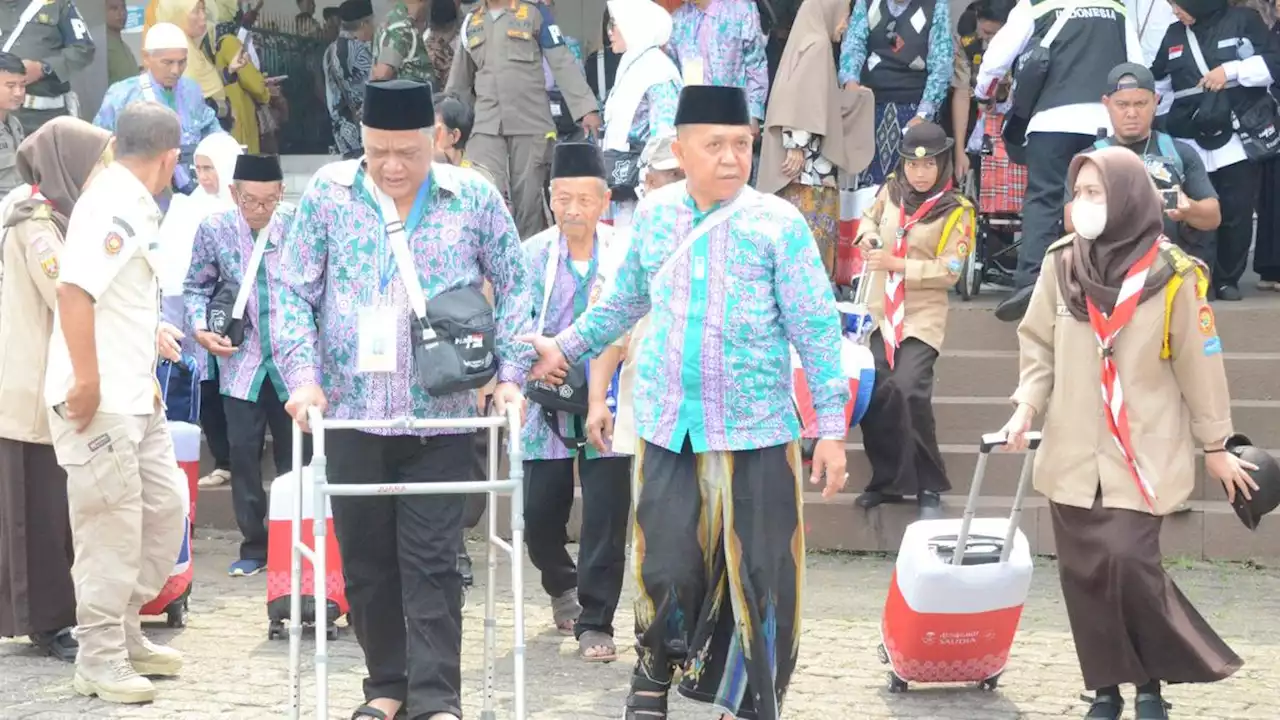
[221,251]
[334,264]
[728,39]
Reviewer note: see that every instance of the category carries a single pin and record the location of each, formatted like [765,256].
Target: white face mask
[1089,219]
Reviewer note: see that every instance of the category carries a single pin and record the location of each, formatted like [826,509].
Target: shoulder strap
[709,223]
[27,15]
[1101,143]
[1183,265]
[249,280]
[1058,23]
[148,90]
[1169,149]
[548,280]
[955,217]
[400,250]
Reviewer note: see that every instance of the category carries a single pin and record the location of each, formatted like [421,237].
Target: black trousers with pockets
[1048,159]
[400,563]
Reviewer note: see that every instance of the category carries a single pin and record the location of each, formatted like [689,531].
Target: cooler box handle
[989,442]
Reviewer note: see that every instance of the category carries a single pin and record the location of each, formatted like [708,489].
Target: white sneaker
[215,478]
[153,660]
[119,682]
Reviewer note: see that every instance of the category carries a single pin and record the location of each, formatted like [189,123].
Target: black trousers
[213,421]
[1237,187]
[1048,159]
[1266,251]
[898,430]
[602,549]
[399,560]
[247,424]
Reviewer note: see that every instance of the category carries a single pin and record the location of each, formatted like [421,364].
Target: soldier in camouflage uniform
[54,43]
[400,50]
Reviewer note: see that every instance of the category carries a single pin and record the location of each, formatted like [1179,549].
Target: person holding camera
[1191,211]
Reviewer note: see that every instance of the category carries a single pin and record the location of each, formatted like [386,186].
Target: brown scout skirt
[1130,622]
[36,592]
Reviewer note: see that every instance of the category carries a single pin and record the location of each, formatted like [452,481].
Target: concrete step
[961,420]
[994,373]
[1248,326]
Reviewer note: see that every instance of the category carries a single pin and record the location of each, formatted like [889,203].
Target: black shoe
[874,498]
[59,644]
[1015,306]
[1149,705]
[1229,293]
[1104,706]
[930,505]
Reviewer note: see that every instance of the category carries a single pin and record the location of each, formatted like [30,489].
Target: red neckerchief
[895,289]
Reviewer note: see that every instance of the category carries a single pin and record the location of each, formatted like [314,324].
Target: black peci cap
[712,105]
[258,168]
[577,159]
[398,105]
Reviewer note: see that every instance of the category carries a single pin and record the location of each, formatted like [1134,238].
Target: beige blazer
[31,249]
[930,274]
[1174,405]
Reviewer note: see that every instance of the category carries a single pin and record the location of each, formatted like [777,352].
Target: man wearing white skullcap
[164,58]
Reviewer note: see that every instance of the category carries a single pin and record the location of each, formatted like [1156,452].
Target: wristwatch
[46,68]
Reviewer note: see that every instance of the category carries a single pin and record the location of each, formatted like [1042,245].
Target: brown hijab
[1095,269]
[807,96]
[58,159]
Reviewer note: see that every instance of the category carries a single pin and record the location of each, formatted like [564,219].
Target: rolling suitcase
[958,590]
[174,598]
[279,559]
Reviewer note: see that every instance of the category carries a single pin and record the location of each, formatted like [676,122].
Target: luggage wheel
[991,683]
[896,684]
[883,654]
[176,613]
[275,630]
[331,633]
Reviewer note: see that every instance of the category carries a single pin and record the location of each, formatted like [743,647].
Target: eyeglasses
[249,202]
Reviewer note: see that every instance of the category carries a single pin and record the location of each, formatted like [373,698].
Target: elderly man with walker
[384,329]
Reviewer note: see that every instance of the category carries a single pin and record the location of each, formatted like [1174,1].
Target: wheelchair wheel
[964,284]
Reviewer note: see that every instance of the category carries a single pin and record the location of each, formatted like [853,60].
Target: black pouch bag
[219,314]
[568,397]
[453,346]
[1258,129]
[622,170]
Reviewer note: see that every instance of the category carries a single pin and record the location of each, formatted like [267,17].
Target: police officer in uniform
[1066,115]
[108,421]
[1191,212]
[54,43]
[500,65]
[12,92]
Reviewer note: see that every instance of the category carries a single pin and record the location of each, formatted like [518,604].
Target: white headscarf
[186,212]
[645,27]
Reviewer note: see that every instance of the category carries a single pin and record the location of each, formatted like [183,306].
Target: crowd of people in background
[569,158]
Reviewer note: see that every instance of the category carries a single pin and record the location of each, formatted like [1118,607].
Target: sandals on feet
[565,611]
[369,712]
[646,707]
[1103,707]
[1150,706]
[598,647]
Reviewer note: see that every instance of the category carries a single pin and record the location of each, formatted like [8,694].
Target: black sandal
[1103,707]
[648,706]
[1150,706]
[368,711]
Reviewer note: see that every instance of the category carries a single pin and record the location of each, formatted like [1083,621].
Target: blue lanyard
[416,214]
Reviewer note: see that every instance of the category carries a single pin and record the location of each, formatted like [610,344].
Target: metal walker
[322,491]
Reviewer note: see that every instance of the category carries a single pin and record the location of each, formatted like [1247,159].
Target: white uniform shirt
[109,253]
[1008,45]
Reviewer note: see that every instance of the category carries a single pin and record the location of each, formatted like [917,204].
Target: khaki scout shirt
[31,248]
[930,274]
[500,63]
[110,253]
[1173,405]
[57,35]
[11,136]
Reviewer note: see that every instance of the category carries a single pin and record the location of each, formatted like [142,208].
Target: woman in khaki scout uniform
[37,597]
[1112,475]
[915,238]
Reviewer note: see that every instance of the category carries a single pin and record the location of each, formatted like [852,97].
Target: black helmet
[1267,476]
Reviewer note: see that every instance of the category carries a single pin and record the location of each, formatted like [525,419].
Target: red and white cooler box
[280,545]
[953,623]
